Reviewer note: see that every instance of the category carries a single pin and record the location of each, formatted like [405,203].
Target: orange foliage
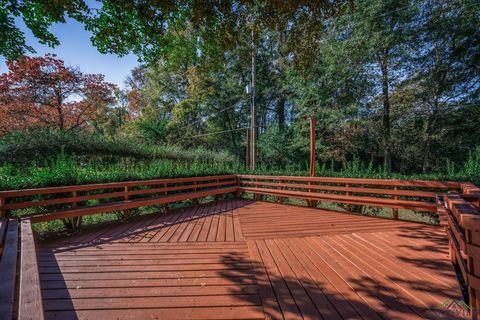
[42,91]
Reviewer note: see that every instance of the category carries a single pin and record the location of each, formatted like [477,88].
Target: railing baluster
[74,199]
[395,210]
[126,197]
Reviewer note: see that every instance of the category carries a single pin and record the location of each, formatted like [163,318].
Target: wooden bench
[127,204]
[8,266]
[417,195]
[356,200]
[22,253]
[76,201]
[464,243]
[30,305]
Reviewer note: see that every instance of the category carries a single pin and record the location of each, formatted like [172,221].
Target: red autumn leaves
[43,91]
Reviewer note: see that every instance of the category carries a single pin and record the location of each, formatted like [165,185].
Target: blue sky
[76,49]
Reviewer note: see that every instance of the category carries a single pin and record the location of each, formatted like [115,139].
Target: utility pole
[253,125]
[312,146]
[247,156]
[312,203]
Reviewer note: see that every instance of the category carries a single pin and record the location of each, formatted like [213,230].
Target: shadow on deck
[250,260]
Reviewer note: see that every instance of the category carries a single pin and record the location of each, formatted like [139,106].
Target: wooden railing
[463,230]
[76,201]
[456,203]
[417,195]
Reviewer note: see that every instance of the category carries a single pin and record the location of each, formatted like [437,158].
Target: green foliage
[41,145]
[385,79]
[467,172]
[38,16]
[65,170]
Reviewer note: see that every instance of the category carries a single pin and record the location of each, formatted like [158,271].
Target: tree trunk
[430,128]
[387,158]
[280,110]
[281,66]
[61,116]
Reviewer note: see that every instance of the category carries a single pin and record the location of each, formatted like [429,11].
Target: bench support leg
[164,208]
[73,224]
[395,214]
[312,203]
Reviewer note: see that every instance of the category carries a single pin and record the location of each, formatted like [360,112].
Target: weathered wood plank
[8,269]
[30,297]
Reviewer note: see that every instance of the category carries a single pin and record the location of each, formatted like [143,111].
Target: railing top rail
[384,182]
[109,185]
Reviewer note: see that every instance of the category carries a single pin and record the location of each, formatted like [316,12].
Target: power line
[225,131]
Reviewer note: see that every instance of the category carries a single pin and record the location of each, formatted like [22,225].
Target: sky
[76,50]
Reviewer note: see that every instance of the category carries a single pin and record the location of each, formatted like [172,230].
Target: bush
[40,145]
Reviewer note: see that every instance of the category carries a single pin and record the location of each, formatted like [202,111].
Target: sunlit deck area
[241,259]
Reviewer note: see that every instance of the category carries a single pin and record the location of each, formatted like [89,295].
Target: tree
[448,81]
[42,91]
[375,34]
[145,27]
[38,16]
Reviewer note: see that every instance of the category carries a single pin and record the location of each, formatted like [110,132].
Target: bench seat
[128,204]
[358,200]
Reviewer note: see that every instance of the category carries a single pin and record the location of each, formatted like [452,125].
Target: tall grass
[23,165]
[469,171]
[40,145]
[67,170]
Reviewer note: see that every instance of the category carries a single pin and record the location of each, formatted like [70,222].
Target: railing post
[256,196]
[395,210]
[194,200]
[164,206]
[217,196]
[3,211]
[74,199]
[311,203]
[76,221]
[126,197]
[348,193]
[280,199]
[238,193]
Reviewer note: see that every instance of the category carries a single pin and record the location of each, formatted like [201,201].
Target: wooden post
[256,196]
[164,208]
[74,196]
[126,212]
[312,146]
[195,200]
[247,155]
[217,196]
[3,212]
[395,210]
[76,221]
[312,203]
[347,193]
[238,193]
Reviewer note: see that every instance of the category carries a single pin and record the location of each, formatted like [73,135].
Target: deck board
[239,259]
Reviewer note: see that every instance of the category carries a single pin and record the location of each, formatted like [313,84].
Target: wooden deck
[249,260]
